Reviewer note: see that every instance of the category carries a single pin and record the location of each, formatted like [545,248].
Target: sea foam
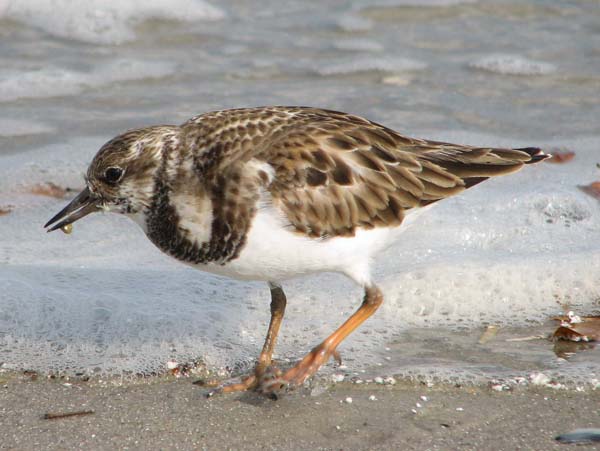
[361,64]
[21,127]
[512,65]
[102,22]
[61,81]
[415,3]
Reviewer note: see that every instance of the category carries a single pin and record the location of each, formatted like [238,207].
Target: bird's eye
[113,174]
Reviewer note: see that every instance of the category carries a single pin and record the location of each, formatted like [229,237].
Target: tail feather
[472,181]
[467,162]
[535,153]
[473,174]
[473,165]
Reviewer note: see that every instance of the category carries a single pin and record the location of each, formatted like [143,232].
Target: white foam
[368,64]
[353,23]
[58,81]
[418,3]
[103,22]
[357,44]
[512,65]
[17,127]
[510,251]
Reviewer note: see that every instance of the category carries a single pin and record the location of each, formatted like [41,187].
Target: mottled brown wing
[336,172]
[342,172]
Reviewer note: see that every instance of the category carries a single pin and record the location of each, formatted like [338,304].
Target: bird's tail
[535,153]
[476,164]
[467,166]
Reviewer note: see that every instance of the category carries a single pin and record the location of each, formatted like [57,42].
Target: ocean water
[512,252]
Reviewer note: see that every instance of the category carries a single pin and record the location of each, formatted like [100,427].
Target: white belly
[274,252]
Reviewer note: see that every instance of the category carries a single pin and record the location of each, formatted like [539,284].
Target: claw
[248,383]
[216,391]
[337,357]
[272,387]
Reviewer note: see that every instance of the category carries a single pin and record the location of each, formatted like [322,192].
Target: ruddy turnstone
[276,192]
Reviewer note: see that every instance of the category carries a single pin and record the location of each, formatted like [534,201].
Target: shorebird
[273,193]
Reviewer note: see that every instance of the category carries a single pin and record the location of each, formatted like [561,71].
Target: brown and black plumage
[276,192]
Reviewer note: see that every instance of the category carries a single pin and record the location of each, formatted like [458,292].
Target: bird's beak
[83,204]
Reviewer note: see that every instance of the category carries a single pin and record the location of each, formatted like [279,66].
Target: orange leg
[311,363]
[278,302]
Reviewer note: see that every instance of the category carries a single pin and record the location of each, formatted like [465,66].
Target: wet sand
[168,413]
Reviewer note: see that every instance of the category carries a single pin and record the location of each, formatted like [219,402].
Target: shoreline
[172,413]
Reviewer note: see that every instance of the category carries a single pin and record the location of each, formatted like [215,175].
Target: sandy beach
[167,413]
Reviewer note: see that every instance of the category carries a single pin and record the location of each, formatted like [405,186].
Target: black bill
[81,206]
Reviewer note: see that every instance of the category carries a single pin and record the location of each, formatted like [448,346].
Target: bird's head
[122,176]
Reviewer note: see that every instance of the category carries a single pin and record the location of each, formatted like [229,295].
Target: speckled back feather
[336,172]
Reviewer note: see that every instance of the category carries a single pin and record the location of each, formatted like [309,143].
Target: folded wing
[338,172]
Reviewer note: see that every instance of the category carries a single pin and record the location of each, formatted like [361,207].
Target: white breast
[274,252]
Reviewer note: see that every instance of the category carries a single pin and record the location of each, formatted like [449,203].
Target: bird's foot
[247,383]
[271,380]
[304,369]
[263,380]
